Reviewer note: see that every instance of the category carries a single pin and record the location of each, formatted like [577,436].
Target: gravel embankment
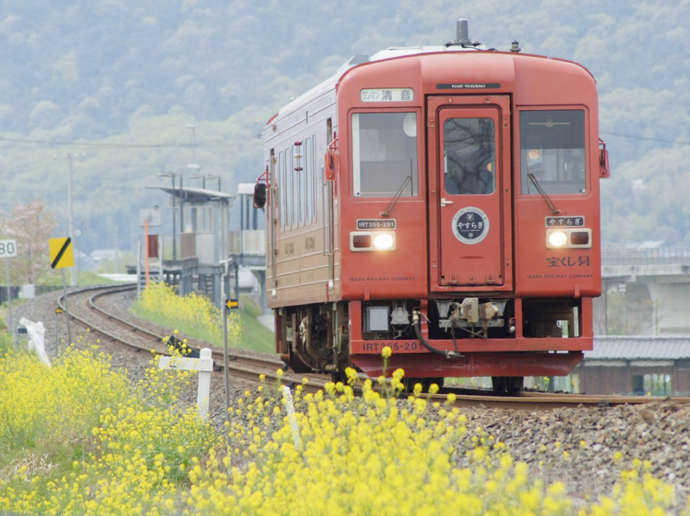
[575,445]
[135,363]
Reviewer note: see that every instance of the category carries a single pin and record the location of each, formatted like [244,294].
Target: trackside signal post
[61,257]
[228,307]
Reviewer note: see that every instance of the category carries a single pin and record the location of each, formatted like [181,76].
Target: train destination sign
[573,221]
[387,95]
[364,224]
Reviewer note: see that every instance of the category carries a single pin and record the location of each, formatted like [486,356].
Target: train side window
[469,156]
[295,188]
[305,183]
[316,180]
[282,185]
[291,195]
[298,185]
[303,186]
[384,154]
[552,149]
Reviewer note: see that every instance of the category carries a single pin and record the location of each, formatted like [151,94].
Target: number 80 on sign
[8,248]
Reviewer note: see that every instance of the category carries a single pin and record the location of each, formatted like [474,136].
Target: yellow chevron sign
[61,252]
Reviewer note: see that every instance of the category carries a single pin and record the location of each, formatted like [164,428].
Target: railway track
[84,309]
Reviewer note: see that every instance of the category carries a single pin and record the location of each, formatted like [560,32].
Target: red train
[441,201]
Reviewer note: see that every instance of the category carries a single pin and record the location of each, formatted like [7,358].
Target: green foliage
[113,453]
[130,76]
[193,315]
[81,427]
[5,341]
[53,405]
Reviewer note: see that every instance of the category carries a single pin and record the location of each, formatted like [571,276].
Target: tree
[31,226]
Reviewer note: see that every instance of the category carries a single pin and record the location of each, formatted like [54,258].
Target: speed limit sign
[8,248]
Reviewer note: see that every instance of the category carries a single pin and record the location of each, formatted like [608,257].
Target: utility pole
[70,232]
[74,275]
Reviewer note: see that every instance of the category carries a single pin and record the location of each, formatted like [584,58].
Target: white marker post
[203,364]
[287,396]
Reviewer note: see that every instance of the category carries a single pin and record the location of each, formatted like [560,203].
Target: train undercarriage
[433,338]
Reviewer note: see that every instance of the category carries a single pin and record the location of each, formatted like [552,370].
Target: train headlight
[384,241]
[556,238]
[559,238]
[372,241]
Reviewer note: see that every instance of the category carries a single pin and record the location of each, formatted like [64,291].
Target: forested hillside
[121,82]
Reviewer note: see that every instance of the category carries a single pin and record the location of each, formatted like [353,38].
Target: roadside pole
[61,257]
[139,269]
[64,296]
[148,251]
[228,307]
[8,249]
[9,302]
[229,304]
[225,360]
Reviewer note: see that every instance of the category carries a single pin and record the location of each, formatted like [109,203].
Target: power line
[57,143]
[210,143]
[649,138]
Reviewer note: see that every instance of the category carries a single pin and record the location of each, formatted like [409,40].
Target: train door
[470,192]
[272,225]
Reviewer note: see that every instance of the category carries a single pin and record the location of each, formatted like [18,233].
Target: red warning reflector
[361,241]
[579,237]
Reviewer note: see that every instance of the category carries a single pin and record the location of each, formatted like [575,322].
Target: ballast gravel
[586,448]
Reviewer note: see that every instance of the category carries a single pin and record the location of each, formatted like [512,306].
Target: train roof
[330,83]
[388,53]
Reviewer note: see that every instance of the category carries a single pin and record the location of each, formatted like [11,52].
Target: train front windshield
[552,148]
[384,154]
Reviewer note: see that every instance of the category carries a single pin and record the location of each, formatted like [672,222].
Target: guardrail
[656,256]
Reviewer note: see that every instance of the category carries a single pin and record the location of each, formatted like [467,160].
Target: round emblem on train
[470,225]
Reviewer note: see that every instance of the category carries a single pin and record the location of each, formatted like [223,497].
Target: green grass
[255,335]
[85,279]
[186,330]
[6,342]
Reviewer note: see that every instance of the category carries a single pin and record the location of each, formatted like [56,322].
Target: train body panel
[443,203]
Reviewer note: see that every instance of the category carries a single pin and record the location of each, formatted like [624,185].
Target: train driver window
[552,150]
[469,156]
[384,154]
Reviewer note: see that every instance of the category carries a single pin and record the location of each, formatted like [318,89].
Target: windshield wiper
[408,179]
[544,195]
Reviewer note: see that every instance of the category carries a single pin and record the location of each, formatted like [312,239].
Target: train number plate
[364,224]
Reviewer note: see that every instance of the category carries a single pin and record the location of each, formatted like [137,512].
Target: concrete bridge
[644,292]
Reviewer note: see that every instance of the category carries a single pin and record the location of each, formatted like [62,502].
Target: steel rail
[242,364]
[251,367]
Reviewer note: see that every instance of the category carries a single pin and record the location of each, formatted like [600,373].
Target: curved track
[84,309]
